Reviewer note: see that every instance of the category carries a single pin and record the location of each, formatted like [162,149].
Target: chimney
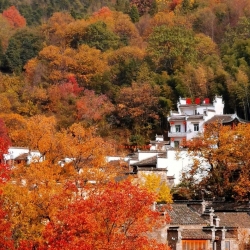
[211,215]
[217,222]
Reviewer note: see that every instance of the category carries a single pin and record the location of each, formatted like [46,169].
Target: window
[177,128]
[176,144]
[227,245]
[196,127]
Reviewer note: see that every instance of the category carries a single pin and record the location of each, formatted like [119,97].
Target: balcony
[177,134]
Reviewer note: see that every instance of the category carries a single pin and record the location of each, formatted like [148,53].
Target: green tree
[23,46]
[99,36]
[171,47]
[134,14]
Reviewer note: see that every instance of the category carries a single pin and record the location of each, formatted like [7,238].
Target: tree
[98,35]
[143,6]
[23,46]
[55,29]
[120,24]
[14,18]
[6,31]
[87,152]
[93,108]
[59,64]
[74,158]
[6,241]
[242,89]
[117,217]
[134,14]
[125,64]
[221,163]
[170,47]
[16,128]
[32,197]
[158,186]
[138,106]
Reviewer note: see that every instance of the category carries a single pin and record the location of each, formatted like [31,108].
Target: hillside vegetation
[121,65]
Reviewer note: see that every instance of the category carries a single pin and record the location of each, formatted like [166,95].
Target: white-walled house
[160,159]
[18,155]
[189,120]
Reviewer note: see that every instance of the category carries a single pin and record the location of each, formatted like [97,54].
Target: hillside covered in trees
[121,65]
[82,79]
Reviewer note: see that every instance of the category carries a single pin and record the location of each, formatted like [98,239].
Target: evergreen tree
[134,14]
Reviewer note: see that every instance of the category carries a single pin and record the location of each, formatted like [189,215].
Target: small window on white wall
[177,128]
[196,127]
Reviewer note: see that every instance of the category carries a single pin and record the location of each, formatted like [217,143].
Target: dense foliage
[80,78]
[221,165]
[151,52]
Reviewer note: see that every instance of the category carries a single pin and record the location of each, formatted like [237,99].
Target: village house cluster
[194,225]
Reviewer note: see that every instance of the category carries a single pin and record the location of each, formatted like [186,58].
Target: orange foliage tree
[14,18]
[138,104]
[221,162]
[36,192]
[118,217]
[59,64]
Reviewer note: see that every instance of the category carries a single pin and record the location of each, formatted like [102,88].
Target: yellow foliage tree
[32,196]
[155,184]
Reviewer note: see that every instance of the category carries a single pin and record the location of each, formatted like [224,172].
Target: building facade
[191,117]
[207,225]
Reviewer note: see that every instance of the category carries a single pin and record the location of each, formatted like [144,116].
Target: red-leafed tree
[6,241]
[103,12]
[119,217]
[13,16]
[92,107]
[70,88]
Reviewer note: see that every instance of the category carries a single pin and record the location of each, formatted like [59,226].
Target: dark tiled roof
[230,206]
[192,117]
[234,219]
[152,169]
[206,104]
[183,215]
[188,105]
[226,119]
[221,118]
[149,161]
[197,234]
[177,118]
[22,157]
[160,142]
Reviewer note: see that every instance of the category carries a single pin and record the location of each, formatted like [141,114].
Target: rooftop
[181,214]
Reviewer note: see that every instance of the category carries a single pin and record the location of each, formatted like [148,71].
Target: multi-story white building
[189,120]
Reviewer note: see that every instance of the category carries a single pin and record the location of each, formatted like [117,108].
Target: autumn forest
[85,78]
